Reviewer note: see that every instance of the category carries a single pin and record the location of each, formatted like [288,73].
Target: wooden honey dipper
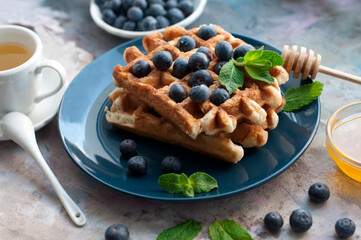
[309,64]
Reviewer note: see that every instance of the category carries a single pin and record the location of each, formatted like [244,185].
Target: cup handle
[55,65]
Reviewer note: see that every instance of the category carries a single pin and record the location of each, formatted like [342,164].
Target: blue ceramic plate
[93,143]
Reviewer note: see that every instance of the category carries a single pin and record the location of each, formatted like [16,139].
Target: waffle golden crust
[129,113]
[256,104]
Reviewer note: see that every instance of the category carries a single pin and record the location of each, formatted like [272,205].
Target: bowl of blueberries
[137,18]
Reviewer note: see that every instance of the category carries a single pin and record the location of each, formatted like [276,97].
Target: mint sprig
[184,231]
[296,98]
[198,182]
[228,230]
[256,63]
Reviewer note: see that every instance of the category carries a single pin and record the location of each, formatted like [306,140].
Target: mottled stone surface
[29,209]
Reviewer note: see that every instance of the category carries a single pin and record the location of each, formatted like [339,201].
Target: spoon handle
[23,134]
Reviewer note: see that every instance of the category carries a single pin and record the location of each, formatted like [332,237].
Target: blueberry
[117,232]
[129,25]
[300,220]
[273,221]
[175,15]
[127,4]
[186,7]
[100,2]
[207,52]
[115,5]
[242,50]
[218,67]
[141,68]
[219,96]
[177,92]
[161,2]
[201,77]
[140,3]
[108,16]
[170,4]
[156,10]
[224,50]
[198,61]
[199,93]
[135,14]
[181,68]
[128,148]
[319,193]
[162,22]
[186,43]
[118,23]
[345,228]
[162,60]
[171,164]
[137,166]
[206,32]
[148,24]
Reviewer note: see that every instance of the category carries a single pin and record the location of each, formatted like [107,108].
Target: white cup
[19,86]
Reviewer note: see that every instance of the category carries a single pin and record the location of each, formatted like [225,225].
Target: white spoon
[19,128]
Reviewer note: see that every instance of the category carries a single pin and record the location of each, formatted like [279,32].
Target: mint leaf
[260,64]
[274,57]
[231,77]
[259,74]
[170,182]
[184,231]
[187,188]
[228,230]
[253,55]
[301,96]
[202,182]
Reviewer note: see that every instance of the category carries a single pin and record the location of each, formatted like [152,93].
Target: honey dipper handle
[339,74]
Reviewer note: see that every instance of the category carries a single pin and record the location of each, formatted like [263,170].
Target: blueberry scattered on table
[206,32]
[186,7]
[199,93]
[218,67]
[273,221]
[148,23]
[135,11]
[200,77]
[137,166]
[128,148]
[219,96]
[175,15]
[186,43]
[345,228]
[207,52]
[162,60]
[319,193]
[141,68]
[117,232]
[181,68]
[171,164]
[177,93]
[198,61]
[300,220]
[242,50]
[224,50]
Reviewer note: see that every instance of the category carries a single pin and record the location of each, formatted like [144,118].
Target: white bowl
[97,18]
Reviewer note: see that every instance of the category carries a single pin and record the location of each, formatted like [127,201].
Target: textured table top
[29,209]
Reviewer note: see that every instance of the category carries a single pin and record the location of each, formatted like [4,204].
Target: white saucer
[45,110]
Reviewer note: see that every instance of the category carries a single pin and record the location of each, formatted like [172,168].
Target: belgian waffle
[256,104]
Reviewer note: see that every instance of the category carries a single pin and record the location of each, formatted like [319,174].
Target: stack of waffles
[143,106]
